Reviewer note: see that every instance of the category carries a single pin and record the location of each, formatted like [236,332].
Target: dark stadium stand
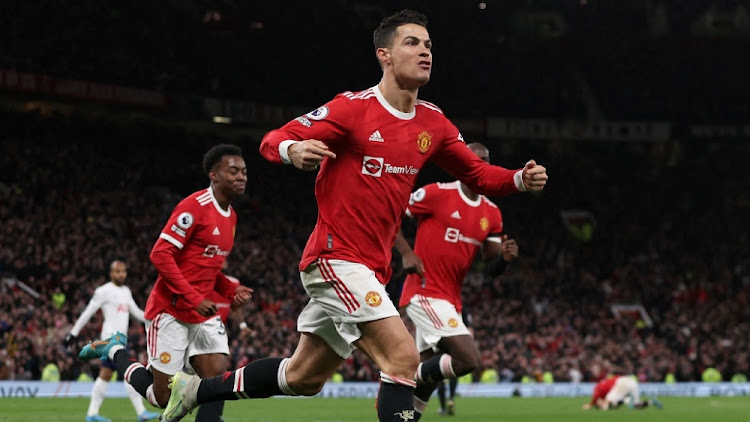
[640,59]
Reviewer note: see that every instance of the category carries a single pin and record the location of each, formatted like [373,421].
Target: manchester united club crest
[424,141]
[165,357]
[405,415]
[484,224]
[452,323]
[373,299]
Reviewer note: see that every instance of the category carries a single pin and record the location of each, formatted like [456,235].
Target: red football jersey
[451,230]
[223,304]
[363,192]
[602,388]
[189,254]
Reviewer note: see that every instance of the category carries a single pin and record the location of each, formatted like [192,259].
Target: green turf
[735,409]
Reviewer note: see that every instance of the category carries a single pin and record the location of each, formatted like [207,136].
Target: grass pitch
[722,409]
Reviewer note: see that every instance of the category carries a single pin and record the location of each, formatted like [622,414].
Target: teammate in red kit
[369,147]
[181,321]
[610,393]
[454,223]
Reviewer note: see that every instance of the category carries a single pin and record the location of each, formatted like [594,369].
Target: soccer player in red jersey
[181,321]
[369,147]
[610,393]
[454,223]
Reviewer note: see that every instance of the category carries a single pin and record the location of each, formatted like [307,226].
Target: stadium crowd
[667,230]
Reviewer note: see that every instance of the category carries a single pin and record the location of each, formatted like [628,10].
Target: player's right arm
[163,258]
[95,303]
[173,238]
[599,393]
[307,140]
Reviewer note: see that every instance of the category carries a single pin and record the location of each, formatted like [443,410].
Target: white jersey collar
[400,114]
[470,202]
[225,213]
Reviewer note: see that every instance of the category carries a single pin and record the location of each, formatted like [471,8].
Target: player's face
[481,152]
[118,273]
[411,55]
[232,175]
[484,155]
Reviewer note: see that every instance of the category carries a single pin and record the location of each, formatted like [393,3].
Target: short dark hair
[216,153]
[115,261]
[383,35]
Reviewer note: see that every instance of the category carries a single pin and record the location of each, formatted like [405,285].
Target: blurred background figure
[117,304]
[616,390]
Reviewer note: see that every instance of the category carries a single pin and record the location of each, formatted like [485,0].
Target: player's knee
[402,362]
[306,386]
[464,364]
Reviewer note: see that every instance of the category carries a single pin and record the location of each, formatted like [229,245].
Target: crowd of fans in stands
[670,234]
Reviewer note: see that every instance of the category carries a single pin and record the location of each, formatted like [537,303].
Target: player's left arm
[499,250]
[238,317]
[224,286]
[238,293]
[598,395]
[455,158]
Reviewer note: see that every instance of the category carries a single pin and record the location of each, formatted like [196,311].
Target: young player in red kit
[454,223]
[369,147]
[610,393]
[181,321]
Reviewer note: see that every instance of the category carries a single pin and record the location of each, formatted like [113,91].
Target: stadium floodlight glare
[222,119]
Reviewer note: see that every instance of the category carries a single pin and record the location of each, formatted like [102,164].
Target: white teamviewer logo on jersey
[213,250]
[454,236]
[374,166]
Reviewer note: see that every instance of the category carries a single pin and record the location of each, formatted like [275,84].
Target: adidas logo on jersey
[375,137]
[456,215]
[216,231]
